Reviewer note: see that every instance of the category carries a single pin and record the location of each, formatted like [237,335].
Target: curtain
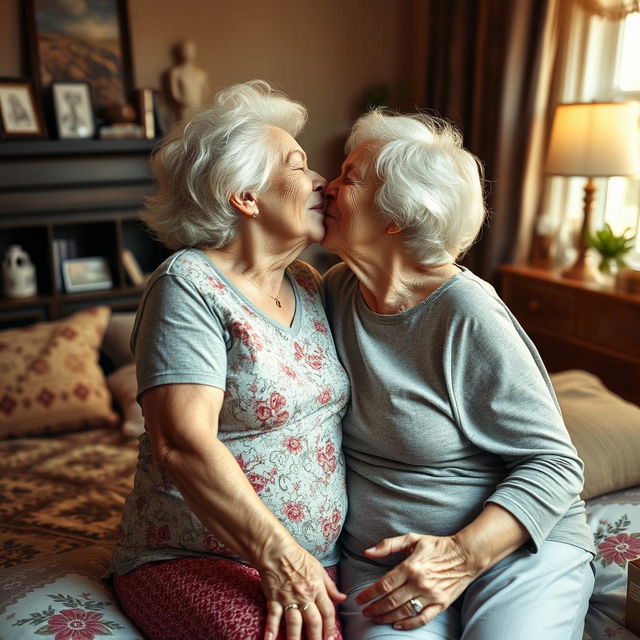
[611,9]
[490,71]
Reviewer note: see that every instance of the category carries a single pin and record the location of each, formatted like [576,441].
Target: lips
[318,207]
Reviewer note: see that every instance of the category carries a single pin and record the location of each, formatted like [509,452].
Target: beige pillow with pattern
[604,428]
[50,379]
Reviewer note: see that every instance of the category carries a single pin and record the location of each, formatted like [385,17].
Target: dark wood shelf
[40,148]
[82,198]
[61,296]
[578,325]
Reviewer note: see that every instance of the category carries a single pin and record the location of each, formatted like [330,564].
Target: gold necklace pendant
[274,298]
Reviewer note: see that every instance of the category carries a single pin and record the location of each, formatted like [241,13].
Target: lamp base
[581,271]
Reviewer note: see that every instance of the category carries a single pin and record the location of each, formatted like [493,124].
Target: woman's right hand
[294,577]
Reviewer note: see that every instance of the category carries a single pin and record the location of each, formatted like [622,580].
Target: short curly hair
[431,187]
[224,149]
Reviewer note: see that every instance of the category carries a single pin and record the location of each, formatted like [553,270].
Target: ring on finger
[305,607]
[416,606]
[293,605]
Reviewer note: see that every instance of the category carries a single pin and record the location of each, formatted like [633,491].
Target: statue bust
[188,83]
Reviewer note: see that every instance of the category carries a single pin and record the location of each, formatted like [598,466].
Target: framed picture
[83,41]
[86,274]
[132,268]
[73,109]
[19,112]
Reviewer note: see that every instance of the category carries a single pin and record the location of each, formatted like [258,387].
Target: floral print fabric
[285,395]
[62,597]
[615,523]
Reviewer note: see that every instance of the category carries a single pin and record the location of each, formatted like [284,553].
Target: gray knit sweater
[451,407]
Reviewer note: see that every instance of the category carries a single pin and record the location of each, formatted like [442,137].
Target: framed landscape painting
[82,41]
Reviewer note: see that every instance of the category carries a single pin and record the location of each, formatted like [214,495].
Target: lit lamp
[597,139]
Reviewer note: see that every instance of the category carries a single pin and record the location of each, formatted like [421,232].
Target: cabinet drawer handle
[534,305]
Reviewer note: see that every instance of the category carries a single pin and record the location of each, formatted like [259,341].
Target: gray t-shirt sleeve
[505,404]
[177,337]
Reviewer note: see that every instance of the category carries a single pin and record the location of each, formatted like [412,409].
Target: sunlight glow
[629,69]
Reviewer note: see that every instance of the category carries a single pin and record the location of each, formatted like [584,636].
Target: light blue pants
[523,597]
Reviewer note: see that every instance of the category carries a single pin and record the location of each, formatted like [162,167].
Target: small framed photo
[74,110]
[86,274]
[20,115]
[132,268]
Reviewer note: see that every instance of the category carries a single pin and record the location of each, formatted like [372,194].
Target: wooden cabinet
[578,325]
[87,194]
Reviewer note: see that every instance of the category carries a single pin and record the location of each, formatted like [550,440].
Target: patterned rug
[62,492]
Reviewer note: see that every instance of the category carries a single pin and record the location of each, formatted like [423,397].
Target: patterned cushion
[615,523]
[604,428]
[62,597]
[124,387]
[51,380]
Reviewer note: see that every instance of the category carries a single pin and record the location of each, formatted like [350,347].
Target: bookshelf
[83,196]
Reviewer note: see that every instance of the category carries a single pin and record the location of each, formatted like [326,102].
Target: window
[627,74]
[597,46]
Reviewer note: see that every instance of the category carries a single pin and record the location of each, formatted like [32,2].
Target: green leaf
[36,617]
[43,631]
[610,245]
[112,624]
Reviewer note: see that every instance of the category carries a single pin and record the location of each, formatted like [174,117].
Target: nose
[319,183]
[330,189]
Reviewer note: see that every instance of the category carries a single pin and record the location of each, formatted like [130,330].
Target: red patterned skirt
[197,599]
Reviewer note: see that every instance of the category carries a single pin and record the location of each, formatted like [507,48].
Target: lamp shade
[596,139]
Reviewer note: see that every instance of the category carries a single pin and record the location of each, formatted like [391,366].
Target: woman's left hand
[436,571]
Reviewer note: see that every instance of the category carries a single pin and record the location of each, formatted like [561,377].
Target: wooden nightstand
[576,325]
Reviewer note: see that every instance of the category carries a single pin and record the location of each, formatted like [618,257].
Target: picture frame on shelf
[86,274]
[132,268]
[73,109]
[82,42]
[20,115]
[146,111]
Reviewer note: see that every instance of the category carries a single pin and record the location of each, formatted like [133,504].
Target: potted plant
[611,247]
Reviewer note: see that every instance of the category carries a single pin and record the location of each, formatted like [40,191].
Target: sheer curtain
[490,70]
[497,69]
[597,62]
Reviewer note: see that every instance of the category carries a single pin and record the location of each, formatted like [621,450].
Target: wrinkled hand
[436,571]
[296,577]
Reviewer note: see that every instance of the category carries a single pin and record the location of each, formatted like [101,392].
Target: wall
[323,53]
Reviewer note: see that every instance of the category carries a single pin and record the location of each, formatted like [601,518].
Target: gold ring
[293,605]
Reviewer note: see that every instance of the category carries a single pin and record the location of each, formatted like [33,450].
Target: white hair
[222,150]
[431,187]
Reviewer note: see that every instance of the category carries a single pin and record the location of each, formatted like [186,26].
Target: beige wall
[322,52]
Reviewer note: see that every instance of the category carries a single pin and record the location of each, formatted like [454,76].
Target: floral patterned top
[285,396]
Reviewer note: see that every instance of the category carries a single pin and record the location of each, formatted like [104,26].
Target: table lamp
[596,139]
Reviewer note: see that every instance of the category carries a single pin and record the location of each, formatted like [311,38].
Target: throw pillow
[124,386]
[604,428]
[116,343]
[51,381]
[63,597]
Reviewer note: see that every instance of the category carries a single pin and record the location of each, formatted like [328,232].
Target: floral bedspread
[615,522]
[65,493]
[62,492]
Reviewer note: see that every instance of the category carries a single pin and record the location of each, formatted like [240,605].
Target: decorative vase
[608,266]
[19,273]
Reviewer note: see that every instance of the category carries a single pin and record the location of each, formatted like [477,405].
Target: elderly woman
[239,493]
[464,517]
